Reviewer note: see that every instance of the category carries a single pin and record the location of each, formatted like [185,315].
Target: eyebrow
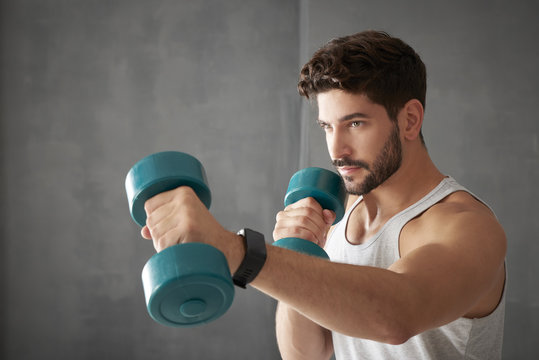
[347,117]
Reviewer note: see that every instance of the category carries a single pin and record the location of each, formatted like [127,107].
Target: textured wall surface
[90,87]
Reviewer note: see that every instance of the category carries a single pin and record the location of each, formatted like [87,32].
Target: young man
[417,268]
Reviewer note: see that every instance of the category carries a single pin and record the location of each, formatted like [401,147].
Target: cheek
[367,149]
[329,142]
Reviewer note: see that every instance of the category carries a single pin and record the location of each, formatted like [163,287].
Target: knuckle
[280,233]
[148,206]
[299,231]
[309,236]
[296,231]
[187,223]
[312,203]
[310,212]
[185,192]
[150,220]
[156,232]
[156,244]
[189,226]
[305,221]
[166,240]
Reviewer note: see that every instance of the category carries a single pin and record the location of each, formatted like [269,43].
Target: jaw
[358,184]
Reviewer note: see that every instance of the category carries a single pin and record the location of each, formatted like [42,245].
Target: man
[417,268]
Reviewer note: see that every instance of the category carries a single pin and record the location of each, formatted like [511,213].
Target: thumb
[329,216]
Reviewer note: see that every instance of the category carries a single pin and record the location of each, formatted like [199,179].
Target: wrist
[253,260]
[234,250]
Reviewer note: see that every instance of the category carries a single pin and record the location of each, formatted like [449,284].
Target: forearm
[318,295]
[300,338]
[357,301]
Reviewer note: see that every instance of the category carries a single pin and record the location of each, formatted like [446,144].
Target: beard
[387,162]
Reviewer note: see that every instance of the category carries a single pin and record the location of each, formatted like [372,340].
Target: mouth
[348,170]
[348,167]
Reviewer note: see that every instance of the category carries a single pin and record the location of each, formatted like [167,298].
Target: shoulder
[460,209]
[459,219]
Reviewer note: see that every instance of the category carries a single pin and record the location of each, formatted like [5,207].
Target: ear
[411,119]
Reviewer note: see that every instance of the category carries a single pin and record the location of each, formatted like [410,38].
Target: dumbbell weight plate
[187,285]
[161,172]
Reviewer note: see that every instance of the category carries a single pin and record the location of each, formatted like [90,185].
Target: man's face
[363,142]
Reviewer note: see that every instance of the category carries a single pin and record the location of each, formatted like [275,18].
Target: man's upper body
[463,338]
[451,262]
[451,256]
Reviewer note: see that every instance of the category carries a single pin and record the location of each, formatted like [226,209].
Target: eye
[356,123]
[324,125]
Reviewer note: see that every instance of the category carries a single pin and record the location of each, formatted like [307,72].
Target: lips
[348,170]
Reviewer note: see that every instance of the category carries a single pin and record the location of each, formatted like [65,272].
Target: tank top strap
[339,230]
[446,187]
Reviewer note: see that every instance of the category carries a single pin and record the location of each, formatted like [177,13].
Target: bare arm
[299,337]
[442,277]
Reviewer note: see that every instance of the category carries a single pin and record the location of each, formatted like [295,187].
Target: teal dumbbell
[324,186]
[186,284]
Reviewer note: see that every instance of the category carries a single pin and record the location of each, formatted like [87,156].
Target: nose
[338,145]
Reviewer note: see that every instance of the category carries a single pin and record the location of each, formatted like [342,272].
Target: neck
[416,177]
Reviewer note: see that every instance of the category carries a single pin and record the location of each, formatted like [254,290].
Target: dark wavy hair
[384,68]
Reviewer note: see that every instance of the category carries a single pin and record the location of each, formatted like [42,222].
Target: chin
[361,188]
[353,188]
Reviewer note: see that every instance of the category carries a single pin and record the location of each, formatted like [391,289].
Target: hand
[178,216]
[305,219]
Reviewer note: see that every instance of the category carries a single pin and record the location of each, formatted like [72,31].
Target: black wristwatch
[255,257]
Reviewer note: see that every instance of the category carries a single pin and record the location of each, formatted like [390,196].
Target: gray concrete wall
[88,88]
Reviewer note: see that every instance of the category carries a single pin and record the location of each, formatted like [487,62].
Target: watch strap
[254,259]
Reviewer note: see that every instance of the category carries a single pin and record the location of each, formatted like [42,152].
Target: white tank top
[461,339]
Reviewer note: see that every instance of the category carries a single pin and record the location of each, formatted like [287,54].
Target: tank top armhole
[343,221]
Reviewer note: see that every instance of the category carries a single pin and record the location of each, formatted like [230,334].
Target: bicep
[452,270]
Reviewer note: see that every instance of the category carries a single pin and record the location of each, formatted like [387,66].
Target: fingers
[304,219]
[160,199]
[329,216]
[285,229]
[145,233]
[169,217]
